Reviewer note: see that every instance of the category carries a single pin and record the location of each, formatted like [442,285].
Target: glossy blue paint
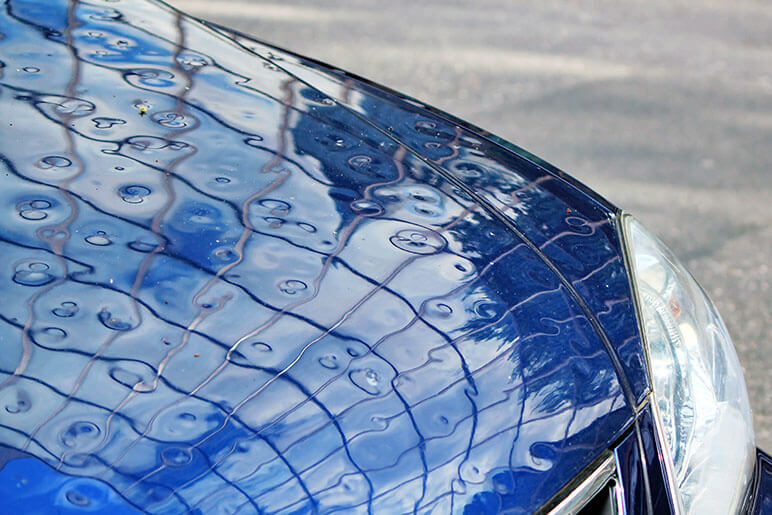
[572,227]
[228,289]
[27,485]
[631,469]
[761,503]
[652,451]
[640,472]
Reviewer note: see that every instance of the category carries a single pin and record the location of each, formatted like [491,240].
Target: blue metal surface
[27,485]
[651,449]
[571,226]
[640,471]
[761,504]
[631,471]
[227,290]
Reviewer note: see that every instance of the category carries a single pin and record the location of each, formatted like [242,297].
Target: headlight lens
[697,380]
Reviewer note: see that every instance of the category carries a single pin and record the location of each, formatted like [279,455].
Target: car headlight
[698,384]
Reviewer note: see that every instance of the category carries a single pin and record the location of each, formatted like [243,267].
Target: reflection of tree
[491,319]
[573,227]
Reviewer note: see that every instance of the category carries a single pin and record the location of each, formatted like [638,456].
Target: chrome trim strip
[587,489]
[666,460]
[619,495]
[627,255]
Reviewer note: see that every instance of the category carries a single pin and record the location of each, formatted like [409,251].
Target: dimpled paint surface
[573,231]
[225,290]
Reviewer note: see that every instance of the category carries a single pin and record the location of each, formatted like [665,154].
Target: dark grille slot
[602,503]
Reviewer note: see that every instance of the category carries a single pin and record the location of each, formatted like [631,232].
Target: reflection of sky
[231,292]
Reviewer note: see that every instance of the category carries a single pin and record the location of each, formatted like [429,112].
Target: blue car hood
[237,279]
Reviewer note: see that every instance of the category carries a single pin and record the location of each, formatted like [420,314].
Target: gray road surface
[664,107]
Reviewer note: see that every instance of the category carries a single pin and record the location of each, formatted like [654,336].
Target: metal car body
[237,280]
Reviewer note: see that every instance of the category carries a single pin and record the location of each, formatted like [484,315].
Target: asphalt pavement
[664,107]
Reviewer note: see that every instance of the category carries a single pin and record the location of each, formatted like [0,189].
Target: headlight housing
[697,380]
